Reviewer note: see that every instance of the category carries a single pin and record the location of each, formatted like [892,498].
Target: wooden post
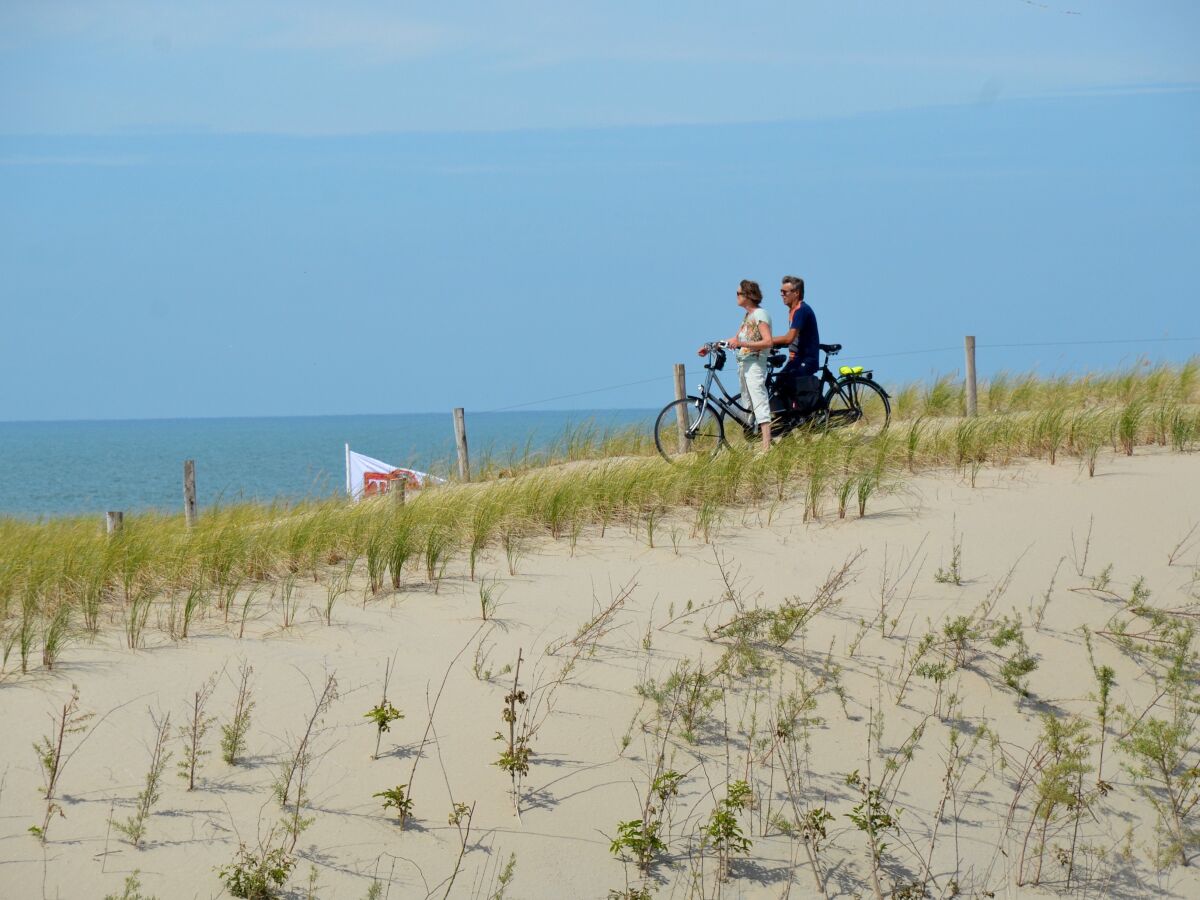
[396,489]
[189,492]
[460,440]
[972,388]
[681,417]
[114,521]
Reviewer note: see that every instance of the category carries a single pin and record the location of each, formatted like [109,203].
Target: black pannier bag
[808,393]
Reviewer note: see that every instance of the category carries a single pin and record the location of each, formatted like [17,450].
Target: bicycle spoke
[860,403]
[688,427]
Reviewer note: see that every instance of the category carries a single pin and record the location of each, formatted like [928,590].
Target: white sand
[581,783]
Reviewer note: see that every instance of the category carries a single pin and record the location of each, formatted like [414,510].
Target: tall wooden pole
[397,488]
[189,492]
[460,441]
[972,388]
[681,417]
[114,522]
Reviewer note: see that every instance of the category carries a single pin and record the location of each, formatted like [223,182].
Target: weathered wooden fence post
[114,521]
[189,492]
[681,416]
[972,388]
[460,441]
[396,489]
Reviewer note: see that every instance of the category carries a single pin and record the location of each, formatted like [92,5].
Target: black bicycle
[696,424]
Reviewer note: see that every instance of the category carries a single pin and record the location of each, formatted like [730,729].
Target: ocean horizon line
[295,416]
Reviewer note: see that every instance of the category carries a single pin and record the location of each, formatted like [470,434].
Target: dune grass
[64,579]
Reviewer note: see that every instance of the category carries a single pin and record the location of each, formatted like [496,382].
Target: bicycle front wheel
[688,428]
[859,403]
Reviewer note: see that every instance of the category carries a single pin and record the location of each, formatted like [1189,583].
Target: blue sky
[300,208]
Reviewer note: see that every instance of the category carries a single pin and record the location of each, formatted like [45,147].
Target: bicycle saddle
[830,348]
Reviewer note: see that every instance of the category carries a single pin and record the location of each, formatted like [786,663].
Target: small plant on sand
[1079,554]
[52,757]
[504,878]
[193,733]
[961,633]
[1055,768]
[258,874]
[723,832]
[1038,613]
[686,696]
[233,734]
[1106,678]
[952,574]
[134,828]
[336,585]
[194,602]
[813,831]
[1013,670]
[288,599]
[639,839]
[489,598]
[874,817]
[56,630]
[481,662]
[1164,756]
[383,714]
[396,798]
[514,758]
[596,628]
[289,786]
[441,541]
[133,889]
[631,893]
[514,538]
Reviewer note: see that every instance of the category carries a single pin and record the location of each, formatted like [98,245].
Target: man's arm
[790,335]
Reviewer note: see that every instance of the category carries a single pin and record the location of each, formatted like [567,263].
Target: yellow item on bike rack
[850,370]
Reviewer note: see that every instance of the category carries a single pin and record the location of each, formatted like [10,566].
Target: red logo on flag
[378,482]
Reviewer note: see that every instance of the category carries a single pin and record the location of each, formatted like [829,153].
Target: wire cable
[600,390]
[658,378]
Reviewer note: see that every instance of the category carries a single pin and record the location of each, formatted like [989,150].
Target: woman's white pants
[752,372]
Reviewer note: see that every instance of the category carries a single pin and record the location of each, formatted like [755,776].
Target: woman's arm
[767,342]
[764,328]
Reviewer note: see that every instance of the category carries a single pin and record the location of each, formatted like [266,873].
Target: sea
[53,469]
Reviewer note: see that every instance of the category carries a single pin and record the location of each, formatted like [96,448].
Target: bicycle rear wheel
[858,403]
[688,428]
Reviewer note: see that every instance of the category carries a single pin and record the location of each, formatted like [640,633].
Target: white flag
[366,476]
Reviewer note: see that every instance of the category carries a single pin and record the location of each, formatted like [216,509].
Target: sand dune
[1035,541]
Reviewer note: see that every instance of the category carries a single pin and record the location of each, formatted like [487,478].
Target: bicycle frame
[726,404]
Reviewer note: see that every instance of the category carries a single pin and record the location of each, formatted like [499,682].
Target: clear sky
[276,208]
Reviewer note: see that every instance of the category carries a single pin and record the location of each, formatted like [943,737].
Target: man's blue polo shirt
[804,348]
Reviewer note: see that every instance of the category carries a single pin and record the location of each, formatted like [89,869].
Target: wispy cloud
[93,161]
[367,33]
[371,37]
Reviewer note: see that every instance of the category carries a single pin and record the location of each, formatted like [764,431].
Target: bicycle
[695,425]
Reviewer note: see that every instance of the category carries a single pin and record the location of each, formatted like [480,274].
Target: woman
[753,345]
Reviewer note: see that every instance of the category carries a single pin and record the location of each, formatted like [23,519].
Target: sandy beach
[943,741]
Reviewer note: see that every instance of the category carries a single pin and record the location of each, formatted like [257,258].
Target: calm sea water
[62,468]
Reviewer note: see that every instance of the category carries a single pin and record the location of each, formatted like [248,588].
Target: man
[801,339]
